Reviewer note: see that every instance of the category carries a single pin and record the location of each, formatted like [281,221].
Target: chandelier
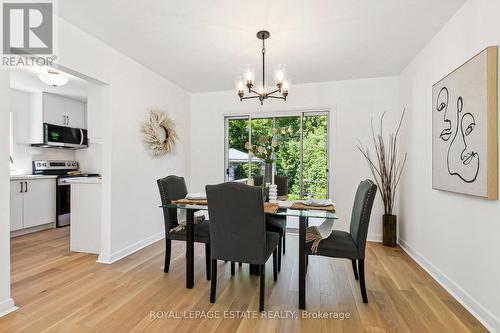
[259,90]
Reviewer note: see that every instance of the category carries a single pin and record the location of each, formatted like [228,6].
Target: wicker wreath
[159,132]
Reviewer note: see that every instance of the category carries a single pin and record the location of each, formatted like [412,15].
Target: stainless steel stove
[64,170]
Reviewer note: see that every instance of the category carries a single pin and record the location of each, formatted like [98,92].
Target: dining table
[303,214]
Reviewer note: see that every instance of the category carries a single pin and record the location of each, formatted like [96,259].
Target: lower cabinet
[32,202]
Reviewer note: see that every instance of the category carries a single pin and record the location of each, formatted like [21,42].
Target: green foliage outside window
[288,156]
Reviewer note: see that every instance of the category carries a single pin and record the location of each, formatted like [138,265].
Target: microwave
[55,136]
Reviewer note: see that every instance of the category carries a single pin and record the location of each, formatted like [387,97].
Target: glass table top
[312,213]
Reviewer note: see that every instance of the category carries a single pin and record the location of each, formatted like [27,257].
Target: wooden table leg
[189,248]
[302,262]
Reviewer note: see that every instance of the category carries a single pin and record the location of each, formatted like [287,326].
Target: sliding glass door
[302,156]
[237,161]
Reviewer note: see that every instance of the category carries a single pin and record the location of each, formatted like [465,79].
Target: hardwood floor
[61,291]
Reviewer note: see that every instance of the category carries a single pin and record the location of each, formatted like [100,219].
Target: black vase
[389,230]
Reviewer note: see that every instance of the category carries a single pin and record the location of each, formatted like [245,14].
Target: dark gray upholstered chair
[277,224]
[238,230]
[174,188]
[351,245]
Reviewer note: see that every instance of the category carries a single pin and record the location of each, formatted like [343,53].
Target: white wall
[6,302]
[454,236]
[131,217]
[351,104]
[130,193]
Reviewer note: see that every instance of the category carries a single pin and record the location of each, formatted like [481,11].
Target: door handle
[25,186]
[81,137]
[67,120]
[64,120]
[21,187]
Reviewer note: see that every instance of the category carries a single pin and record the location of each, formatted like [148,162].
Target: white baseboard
[111,258]
[482,314]
[37,228]
[7,306]
[374,238]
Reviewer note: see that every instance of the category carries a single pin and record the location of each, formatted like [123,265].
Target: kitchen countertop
[85,180]
[27,177]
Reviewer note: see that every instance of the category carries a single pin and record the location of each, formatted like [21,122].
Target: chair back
[237,222]
[171,188]
[361,211]
[280,181]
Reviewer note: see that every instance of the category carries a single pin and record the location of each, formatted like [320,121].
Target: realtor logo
[27,28]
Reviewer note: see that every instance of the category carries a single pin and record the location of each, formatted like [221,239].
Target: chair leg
[262,287]
[275,265]
[207,260]
[168,250]
[279,253]
[232,267]
[361,264]
[213,281]
[284,240]
[355,269]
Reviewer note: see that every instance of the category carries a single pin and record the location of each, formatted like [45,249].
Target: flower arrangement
[265,147]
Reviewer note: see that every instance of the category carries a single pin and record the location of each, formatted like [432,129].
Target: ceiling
[202,45]
[26,78]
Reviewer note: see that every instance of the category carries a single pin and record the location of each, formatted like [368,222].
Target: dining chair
[351,245]
[238,231]
[174,188]
[277,224]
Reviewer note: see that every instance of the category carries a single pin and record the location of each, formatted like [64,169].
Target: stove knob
[44,164]
[38,164]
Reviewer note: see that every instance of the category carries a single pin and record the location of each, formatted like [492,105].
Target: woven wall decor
[158,132]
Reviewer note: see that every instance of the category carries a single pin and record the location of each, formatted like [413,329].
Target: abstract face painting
[464,128]
[462,158]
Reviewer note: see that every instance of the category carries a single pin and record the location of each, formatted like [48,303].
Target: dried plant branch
[386,168]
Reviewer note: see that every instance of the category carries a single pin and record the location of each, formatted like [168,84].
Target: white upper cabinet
[63,111]
[54,110]
[97,106]
[75,113]
[33,109]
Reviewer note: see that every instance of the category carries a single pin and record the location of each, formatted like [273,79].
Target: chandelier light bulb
[279,74]
[239,84]
[249,74]
[286,84]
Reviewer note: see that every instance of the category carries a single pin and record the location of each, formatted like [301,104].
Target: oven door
[63,203]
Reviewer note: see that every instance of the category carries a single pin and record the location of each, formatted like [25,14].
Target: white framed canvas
[464,128]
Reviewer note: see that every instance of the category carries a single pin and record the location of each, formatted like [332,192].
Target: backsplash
[24,154]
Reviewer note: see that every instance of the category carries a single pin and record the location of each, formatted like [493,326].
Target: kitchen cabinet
[33,202]
[75,113]
[54,110]
[62,111]
[98,107]
[32,109]
[16,205]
